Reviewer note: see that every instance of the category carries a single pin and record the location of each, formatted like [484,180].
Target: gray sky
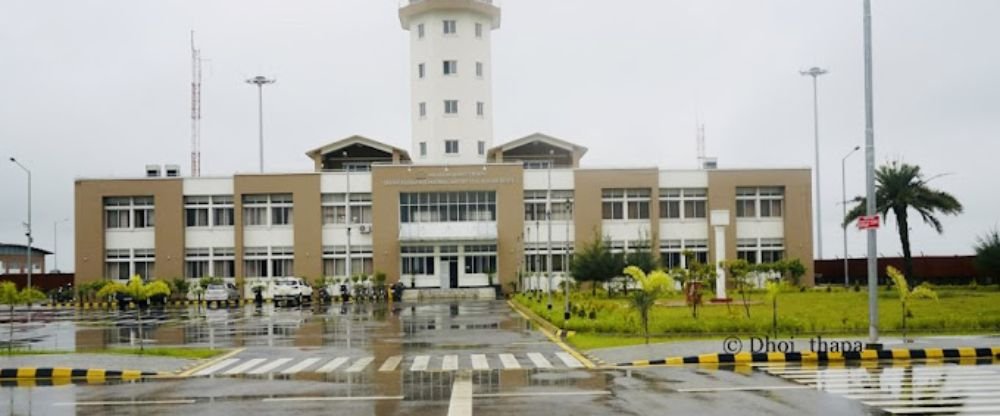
[101,88]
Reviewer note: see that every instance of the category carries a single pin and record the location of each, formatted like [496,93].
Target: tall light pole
[55,242]
[870,208]
[815,72]
[843,203]
[569,221]
[548,220]
[260,81]
[347,217]
[28,224]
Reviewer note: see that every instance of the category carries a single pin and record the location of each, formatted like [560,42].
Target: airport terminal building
[454,211]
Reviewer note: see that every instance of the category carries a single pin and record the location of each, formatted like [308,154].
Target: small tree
[774,288]
[651,286]
[640,255]
[139,291]
[10,296]
[596,263]
[739,270]
[795,270]
[988,255]
[181,286]
[695,275]
[922,291]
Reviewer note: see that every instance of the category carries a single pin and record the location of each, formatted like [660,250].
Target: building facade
[14,259]
[455,211]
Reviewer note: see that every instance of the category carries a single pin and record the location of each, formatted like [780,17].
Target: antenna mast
[700,127]
[195,109]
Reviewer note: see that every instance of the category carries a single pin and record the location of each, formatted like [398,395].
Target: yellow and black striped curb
[96,375]
[821,357]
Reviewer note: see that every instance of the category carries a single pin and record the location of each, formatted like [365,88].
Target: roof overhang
[539,137]
[340,144]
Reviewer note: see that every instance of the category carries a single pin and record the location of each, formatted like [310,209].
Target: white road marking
[360,364]
[944,402]
[916,395]
[869,384]
[332,365]
[331,399]
[270,366]
[479,362]
[461,397]
[245,366]
[569,360]
[539,360]
[449,363]
[218,366]
[125,403]
[544,394]
[509,362]
[420,363]
[747,388]
[391,363]
[304,364]
[950,389]
[948,410]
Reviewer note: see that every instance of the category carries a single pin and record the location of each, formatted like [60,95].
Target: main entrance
[449,272]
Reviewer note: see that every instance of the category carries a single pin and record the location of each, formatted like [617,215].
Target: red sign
[868,223]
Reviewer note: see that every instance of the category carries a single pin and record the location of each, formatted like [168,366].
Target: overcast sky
[101,88]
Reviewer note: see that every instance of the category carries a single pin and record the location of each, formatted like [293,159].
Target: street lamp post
[870,208]
[569,213]
[260,81]
[843,202]
[815,72]
[55,242]
[347,215]
[548,221]
[28,225]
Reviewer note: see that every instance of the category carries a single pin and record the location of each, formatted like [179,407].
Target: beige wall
[307,220]
[587,199]
[506,180]
[168,202]
[722,186]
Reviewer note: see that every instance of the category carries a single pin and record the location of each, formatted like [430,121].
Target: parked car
[291,290]
[216,293]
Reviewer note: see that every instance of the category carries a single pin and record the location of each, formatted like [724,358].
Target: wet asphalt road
[425,359]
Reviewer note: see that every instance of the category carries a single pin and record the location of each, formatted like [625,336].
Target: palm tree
[651,286]
[900,187]
[138,291]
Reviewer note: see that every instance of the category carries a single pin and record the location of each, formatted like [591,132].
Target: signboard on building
[868,223]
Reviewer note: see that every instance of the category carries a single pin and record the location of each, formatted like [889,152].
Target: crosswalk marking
[509,362]
[332,365]
[539,360]
[943,402]
[944,410]
[216,367]
[420,363]
[569,360]
[304,364]
[270,366]
[360,364]
[479,362]
[240,369]
[449,363]
[391,363]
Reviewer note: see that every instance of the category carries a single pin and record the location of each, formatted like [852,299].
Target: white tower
[450,82]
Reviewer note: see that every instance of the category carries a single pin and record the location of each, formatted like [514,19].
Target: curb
[131,305]
[91,375]
[554,334]
[821,357]
[188,371]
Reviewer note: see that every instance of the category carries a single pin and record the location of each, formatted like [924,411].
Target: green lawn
[839,312]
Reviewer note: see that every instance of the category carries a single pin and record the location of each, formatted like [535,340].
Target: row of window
[451,147]
[449,67]
[447,207]
[451,108]
[449,27]
[560,203]
[129,212]
[421,260]
[688,203]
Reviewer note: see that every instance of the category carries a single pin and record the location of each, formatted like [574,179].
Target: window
[417,260]
[335,261]
[144,262]
[196,261]
[129,212]
[117,264]
[772,250]
[480,109]
[426,207]
[481,147]
[480,259]
[625,204]
[196,210]
[335,208]
[479,69]
[268,262]
[670,204]
[684,203]
[361,208]
[561,204]
[451,147]
[423,110]
[450,27]
[451,106]
[222,211]
[537,164]
[421,71]
[420,31]
[479,30]
[267,209]
[423,149]
[680,253]
[767,202]
[451,67]
[223,262]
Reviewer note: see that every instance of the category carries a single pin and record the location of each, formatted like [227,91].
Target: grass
[172,352]
[812,312]
[22,351]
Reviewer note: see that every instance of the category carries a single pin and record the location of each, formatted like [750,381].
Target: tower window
[450,67]
[423,110]
[479,30]
[480,109]
[451,147]
[451,106]
[423,149]
[450,27]
[479,69]
[420,31]
[482,148]
[421,71]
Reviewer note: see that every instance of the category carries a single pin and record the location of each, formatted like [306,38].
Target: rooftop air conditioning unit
[365,228]
[172,171]
[152,171]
